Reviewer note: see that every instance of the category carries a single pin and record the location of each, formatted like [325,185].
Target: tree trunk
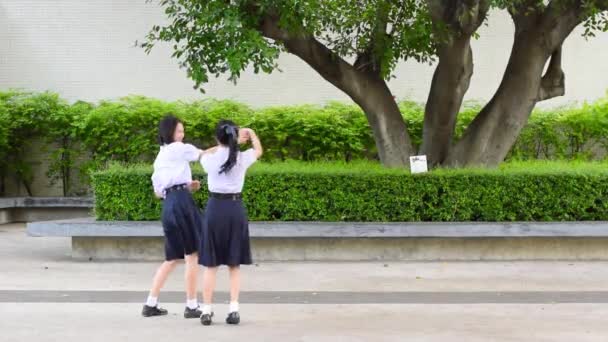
[539,34]
[362,84]
[385,119]
[453,74]
[490,136]
[450,83]
[28,188]
[65,165]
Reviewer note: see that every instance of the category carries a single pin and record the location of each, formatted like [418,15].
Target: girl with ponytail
[225,234]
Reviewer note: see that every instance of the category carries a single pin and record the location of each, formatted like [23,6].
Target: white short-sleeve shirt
[230,182]
[172,166]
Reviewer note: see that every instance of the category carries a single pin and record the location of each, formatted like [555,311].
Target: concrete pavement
[46,296]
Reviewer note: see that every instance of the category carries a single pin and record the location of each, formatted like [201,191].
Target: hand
[195,185]
[244,135]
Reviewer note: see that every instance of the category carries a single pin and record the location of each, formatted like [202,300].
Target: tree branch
[461,16]
[329,65]
[525,14]
[559,20]
[553,82]
[548,24]
[367,60]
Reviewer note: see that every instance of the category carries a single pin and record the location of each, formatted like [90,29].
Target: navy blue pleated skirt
[225,234]
[182,222]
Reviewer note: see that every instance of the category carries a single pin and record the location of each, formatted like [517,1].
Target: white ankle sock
[192,303]
[206,309]
[152,301]
[234,307]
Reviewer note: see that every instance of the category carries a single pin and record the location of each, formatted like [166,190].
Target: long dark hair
[166,129]
[227,134]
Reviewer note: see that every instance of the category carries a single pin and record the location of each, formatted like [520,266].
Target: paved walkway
[45,296]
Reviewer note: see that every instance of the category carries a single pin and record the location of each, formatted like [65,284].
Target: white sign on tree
[418,164]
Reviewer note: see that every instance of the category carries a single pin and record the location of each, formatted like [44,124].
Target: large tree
[355,45]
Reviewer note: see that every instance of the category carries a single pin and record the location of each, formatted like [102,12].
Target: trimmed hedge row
[367,193]
[86,136]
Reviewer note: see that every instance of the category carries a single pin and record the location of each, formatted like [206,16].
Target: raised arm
[255,141]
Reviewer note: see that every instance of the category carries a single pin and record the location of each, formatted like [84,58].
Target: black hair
[227,134]
[166,129]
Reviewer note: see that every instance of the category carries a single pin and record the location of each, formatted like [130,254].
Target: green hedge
[24,117]
[366,192]
[124,130]
[565,133]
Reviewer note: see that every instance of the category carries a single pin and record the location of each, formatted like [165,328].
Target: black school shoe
[150,311]
[233,318]
[206,319]
[192,313]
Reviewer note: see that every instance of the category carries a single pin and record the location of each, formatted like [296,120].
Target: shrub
[364,191]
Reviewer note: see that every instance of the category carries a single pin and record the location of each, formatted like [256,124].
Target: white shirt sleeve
[205,161]
[248,158]
[189,152]
[158,189]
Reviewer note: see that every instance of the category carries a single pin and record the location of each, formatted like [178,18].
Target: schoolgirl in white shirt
[181,217]
[225,233]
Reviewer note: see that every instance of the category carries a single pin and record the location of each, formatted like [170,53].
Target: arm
[204,156]
[207,151]
[156,187]
[255,141]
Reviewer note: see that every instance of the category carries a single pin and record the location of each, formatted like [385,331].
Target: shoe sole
[233,322]
[154,315]
[189,315]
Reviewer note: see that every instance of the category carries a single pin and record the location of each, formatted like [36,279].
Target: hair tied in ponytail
[227,135]
[230,130]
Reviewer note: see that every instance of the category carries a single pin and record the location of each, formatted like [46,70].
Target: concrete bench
[348,241]
[29,209]
[89,227]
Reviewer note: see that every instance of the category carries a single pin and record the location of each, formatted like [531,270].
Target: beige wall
[83,49]
[38,155]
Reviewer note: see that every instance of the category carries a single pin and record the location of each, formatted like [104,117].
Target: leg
[191,275]
[235,286]
[209,284]
[209,276]
[235,283]
[151,307]
[161,276]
